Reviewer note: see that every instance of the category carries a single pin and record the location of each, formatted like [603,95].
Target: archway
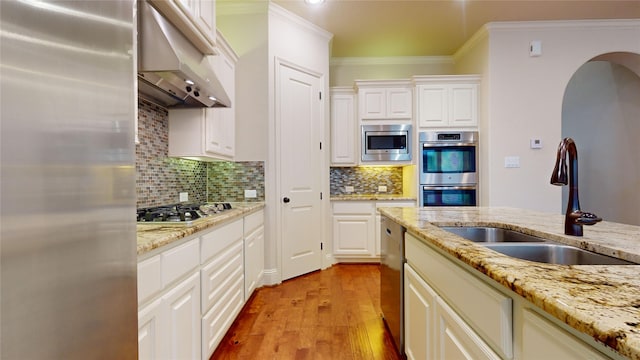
[601,112]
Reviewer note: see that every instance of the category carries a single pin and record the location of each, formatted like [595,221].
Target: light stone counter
[151,237]
[370,197]
[602,301]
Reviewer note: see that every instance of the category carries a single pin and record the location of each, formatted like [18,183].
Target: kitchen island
[600,302]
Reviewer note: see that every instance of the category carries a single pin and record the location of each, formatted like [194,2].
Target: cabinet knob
[286,200]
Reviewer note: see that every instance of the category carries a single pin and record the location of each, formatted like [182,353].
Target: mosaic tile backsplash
[365,180]
[160,179]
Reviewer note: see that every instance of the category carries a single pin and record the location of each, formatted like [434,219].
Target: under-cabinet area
[191,288]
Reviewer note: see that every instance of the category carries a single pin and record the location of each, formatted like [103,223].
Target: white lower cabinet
[455,339]
[453,313]
[190,294]
[420,316]
[543,340]
[151,339]
[183,315]
[356,228]
[253,252]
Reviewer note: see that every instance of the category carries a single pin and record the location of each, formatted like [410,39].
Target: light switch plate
[250,194]
[536,143]
[349,189]
[382,188]
[184,196]
[512,161]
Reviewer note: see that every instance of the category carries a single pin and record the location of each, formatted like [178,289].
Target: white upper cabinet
[447,101]
[209,133]
[196,19]
[381,99]
[344,135]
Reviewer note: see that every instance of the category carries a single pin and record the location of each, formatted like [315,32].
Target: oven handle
[439,187]
[429,145]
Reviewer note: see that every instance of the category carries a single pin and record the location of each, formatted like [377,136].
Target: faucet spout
[574,218]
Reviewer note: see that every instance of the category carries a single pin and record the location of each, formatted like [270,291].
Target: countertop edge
[151,237]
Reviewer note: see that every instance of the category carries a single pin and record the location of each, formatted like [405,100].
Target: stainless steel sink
[554,253]
[532,248]
[483,234]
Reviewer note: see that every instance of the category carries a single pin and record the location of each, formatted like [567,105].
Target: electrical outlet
[348,189]
[382,188]
[184,196]
[250,194]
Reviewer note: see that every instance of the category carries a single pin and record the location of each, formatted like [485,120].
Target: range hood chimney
[171,70]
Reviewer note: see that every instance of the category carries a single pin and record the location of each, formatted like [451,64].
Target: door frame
[273,171]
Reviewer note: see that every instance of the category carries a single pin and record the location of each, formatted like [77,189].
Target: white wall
[344,71]
[525,100]
[601,112]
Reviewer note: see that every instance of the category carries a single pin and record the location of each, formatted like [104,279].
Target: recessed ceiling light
[314,2]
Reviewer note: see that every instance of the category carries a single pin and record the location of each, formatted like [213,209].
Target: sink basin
[554,253]
[483,234]
[532,248]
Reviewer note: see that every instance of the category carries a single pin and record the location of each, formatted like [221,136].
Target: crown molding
[303,23]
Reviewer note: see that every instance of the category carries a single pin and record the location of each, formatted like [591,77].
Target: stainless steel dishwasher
[392,279]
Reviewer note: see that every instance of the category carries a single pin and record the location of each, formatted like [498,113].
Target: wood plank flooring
[328,314]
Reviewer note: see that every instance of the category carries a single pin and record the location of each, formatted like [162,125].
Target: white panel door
[183,315]
[299,123]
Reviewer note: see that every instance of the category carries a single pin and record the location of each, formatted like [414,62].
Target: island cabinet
[196,19]
[447,101]
[385,100]
[453,311]
[356,229]
[344,128]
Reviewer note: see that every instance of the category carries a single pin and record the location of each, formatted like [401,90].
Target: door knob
[286,200]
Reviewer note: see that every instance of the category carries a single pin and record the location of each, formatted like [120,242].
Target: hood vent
[171,71]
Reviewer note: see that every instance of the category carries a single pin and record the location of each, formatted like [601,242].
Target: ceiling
[383,28]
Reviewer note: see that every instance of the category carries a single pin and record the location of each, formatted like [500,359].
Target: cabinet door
[543,340]
[220,132]
[433,107]
[455,339]
[399,103]
[344,144]
[253,260]
[182,307]
[372,103]
[419,316]
[463,108]
[205,17]
[353,235]
[152,332]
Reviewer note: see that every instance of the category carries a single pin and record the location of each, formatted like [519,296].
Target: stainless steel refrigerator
[67,180]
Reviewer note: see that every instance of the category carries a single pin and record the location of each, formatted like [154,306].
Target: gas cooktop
[179,214]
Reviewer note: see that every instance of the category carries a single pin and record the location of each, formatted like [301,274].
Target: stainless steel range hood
[171,71]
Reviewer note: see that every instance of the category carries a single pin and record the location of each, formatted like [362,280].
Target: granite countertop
[151,237]
[374,197]
[602,301]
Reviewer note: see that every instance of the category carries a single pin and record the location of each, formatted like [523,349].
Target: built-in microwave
[386,142]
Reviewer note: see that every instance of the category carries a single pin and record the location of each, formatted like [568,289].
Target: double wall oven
[448,168]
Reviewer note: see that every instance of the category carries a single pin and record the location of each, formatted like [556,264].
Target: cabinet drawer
[353,207]
[179,261]
[219,238]
[220,273]
[217,321]
[253,221]
[149,278]
[487,310]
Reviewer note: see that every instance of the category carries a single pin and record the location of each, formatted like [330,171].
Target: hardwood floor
[328,314]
